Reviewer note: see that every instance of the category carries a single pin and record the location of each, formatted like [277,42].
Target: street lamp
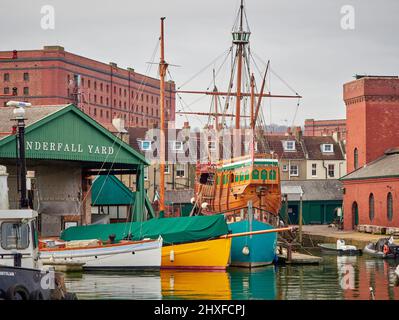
[19,113]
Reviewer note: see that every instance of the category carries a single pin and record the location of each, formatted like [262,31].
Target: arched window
[389,206]
[247,175]
[355,215]
[255,174]
[371,206]
[263,175]
[242,176]
[272,175]
[355,158]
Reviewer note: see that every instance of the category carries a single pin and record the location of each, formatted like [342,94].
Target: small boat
[339,248]
[124,255]
[384,248]
[22,277]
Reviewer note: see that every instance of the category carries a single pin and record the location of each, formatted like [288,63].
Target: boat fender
[386,249]
[16,291]
[245,251]
[172,256]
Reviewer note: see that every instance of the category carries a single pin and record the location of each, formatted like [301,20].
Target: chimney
[298,133]
[186,125]
[4,204]
[119,124]
[289,132]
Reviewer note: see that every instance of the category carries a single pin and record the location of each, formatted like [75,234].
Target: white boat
[124,255]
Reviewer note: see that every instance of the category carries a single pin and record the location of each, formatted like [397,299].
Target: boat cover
[172,230]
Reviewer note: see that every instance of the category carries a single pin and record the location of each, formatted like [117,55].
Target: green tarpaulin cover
[172,230]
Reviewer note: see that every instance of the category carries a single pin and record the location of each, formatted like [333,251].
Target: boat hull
[207,255]
[331,248]
[262,247]
[139,255]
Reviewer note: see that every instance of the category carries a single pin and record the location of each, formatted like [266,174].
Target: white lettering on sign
[67,147]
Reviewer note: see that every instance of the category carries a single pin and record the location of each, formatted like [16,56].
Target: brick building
[53,76]
[326,128]
[372,185]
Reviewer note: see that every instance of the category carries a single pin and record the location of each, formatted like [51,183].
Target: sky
[313,45]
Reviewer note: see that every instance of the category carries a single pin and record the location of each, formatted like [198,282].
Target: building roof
[313,190]
[110,191]
[276,145]
[386,166]
[64,132]
[179,196]
[32,115]
[313,147]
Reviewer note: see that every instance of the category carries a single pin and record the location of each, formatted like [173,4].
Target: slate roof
[179,196]
[313,190]
[383,167]
[276,145]
[313,146]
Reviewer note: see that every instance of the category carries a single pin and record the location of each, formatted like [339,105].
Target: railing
[238,214]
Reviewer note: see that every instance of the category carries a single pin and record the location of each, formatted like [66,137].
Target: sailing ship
[246,189]
[194,242]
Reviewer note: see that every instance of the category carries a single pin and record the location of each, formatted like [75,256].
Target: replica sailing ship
[245,188]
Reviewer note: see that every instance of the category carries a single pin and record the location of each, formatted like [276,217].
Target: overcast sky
[303,39]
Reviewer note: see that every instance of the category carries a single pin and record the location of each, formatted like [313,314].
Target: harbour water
[336,278]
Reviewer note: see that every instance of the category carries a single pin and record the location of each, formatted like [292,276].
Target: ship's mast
[240,38]
[162,72]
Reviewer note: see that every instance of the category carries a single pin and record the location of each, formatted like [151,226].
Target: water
[335,278]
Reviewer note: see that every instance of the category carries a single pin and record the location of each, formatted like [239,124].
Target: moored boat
[384,248]
[339,248]
[95,255]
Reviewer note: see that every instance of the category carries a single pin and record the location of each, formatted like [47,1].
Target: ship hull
[207,255]
[261,248]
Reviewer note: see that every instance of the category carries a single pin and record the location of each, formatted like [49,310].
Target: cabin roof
[17,214]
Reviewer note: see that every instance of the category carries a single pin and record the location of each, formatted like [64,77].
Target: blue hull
[262,247]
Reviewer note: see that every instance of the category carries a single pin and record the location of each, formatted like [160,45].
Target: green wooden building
[321,201]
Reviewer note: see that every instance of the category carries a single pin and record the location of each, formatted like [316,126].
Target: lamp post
[19,117]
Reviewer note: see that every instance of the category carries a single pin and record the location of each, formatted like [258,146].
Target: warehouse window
[26,76]
[390,206]
[371,206]
[26,91]
[6,77]
[6,90]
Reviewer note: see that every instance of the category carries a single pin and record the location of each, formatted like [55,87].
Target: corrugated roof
[314,190]
[385,166]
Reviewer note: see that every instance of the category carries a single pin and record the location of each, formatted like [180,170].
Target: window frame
[287,143]
[324,145]
[314,169]
[20,225]
[329,171]
[174,144]
[142,145]
[179,169]
[297,170]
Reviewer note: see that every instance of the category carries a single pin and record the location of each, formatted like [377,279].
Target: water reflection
[214,285]
[342,277]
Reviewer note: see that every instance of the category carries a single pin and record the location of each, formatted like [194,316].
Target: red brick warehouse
[103,91]
[372,186]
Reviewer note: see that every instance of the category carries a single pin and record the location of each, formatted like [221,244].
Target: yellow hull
[209,254]
[206,285]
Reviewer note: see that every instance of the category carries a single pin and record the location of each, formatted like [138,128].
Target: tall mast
[216,102]
[252,122]
[240,48]
[162,72]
